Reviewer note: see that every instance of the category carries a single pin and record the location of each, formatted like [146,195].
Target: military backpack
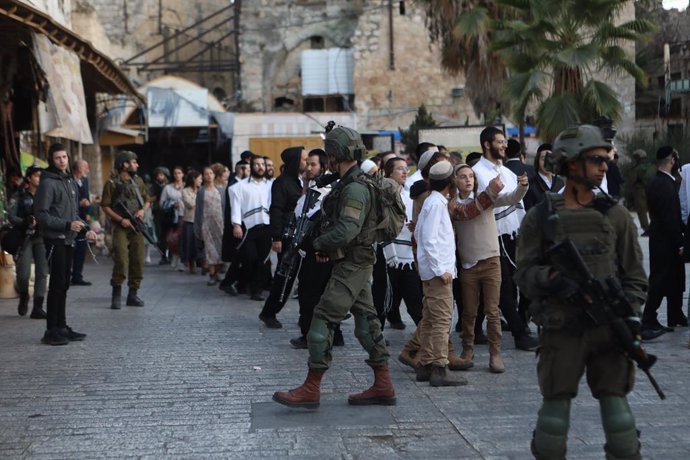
[387,215]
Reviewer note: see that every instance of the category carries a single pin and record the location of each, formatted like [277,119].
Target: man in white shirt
[251,200]
[508,220]
[436,264]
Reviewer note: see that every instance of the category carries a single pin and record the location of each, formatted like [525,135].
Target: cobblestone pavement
[191,375]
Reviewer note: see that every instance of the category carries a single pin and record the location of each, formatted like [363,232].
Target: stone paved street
[191,375]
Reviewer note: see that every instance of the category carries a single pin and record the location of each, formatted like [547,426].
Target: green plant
[410,136]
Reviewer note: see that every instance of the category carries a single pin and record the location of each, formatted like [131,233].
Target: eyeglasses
[501,141]
[401,168]
[597,159]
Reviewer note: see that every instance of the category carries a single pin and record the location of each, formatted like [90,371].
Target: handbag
[172,239]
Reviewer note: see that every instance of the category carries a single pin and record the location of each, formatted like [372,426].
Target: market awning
[99,71]
[121,136]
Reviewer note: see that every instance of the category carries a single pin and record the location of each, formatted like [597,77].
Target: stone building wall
[274,33]
[124,28]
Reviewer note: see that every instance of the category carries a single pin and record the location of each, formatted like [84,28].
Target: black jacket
[285,192]
[55,205]
[666,268]
[537,190]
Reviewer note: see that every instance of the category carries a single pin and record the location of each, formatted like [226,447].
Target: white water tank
[327,72]
[340,69]
[314,72]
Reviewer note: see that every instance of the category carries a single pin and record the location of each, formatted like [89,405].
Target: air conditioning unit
[457,92]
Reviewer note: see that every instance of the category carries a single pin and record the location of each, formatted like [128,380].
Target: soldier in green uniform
[346,240]
[126,189]
[572,344]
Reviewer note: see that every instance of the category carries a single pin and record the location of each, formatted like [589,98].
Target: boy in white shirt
[436,263]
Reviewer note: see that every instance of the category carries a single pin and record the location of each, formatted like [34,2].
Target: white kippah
[367,165]
[441,170]
[424,159]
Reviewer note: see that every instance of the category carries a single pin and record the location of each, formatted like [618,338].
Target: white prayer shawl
[251,200]
[508,218]
[398,253]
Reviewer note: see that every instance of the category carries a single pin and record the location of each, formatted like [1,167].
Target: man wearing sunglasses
[572,343]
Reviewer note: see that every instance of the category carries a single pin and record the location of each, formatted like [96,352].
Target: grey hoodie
[55,205]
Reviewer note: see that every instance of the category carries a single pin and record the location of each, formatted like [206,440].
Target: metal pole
[391,43]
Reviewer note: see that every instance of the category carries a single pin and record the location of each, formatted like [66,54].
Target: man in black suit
[515,159]
[666,267]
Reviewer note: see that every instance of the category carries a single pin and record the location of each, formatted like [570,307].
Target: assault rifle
[605,303]
[138,226]
[297,230]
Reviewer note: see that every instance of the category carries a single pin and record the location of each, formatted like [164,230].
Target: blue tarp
[529,130]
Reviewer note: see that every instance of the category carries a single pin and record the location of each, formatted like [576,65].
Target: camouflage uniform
[128,246]
[606,236]
[349,289]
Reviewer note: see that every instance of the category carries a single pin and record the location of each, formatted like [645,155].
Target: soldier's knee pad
[317,337]
[367,331]
[619,427]
[551,434]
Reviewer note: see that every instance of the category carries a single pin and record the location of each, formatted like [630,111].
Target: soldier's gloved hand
[563,287]
[634,324]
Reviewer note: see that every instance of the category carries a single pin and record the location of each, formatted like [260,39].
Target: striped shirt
[250,202]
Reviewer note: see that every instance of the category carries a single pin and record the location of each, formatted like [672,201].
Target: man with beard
[270,169]
[508,219]
[126,189]
[666,267]
[313,276]
[285,192]
[250,218]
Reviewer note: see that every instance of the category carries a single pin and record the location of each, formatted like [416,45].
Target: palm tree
[463,30]
[557,49]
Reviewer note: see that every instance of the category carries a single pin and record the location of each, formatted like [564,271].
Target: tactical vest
[128,193]
[594,236]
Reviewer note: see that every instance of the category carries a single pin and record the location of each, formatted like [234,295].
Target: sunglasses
[597,159]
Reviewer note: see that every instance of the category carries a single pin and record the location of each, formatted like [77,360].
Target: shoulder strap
[548,219]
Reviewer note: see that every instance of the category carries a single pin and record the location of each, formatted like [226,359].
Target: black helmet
[345,144]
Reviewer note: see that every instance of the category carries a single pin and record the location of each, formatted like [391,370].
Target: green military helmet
[345,144]
[573,142]
[122,157]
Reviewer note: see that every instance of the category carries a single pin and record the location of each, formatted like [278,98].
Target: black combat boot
[133,300]
[116,302]
[23,306]
[38,312]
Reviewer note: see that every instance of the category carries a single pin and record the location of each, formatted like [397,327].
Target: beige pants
[434,328]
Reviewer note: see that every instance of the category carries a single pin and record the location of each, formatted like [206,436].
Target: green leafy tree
[463,30]
[555,51]
[410,136]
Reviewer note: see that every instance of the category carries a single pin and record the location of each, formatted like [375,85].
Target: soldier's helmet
[639,154]
[573,142]
[122,157]
[161,170]
[345,144]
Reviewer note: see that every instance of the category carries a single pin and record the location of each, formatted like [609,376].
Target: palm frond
[599,99]
[557,113]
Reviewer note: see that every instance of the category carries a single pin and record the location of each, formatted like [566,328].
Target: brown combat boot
[381,392]
[454,363]
[308,395]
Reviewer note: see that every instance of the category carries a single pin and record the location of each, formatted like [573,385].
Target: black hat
[31,170]
[547,146]
[513,149]
[664,152]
